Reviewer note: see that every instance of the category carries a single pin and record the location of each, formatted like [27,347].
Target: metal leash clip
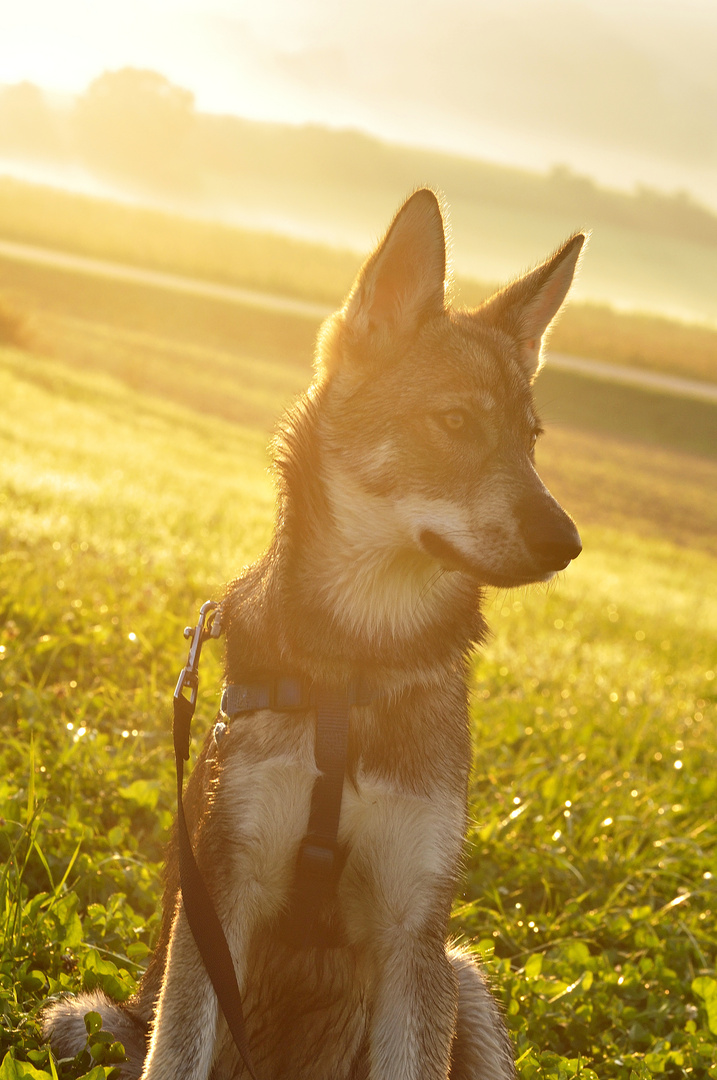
[208,626]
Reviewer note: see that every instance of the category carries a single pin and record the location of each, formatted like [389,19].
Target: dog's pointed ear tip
[577,242]
[427,200]
[427,194]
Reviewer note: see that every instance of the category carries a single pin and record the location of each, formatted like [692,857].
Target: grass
[193,247]
[650,416]
[298,268]
[134,484]
[594,830]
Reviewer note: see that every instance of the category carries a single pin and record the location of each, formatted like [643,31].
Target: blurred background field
[139,137]
[134,421]
[299,268]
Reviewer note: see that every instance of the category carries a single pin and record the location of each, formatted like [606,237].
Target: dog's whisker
[433,580]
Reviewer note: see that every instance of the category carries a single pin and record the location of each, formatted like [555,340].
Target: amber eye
[454,420]
[534,435]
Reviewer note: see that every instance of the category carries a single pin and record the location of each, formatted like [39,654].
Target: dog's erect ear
[403,282]
[525,309]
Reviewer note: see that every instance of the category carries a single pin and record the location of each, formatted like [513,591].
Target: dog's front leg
[185,1023]
[246,851]
[187,1016]
[395,894]
[415,1009]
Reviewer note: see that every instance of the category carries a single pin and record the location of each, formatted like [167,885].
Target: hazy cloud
[626,91]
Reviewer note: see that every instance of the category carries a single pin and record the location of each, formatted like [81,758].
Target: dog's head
[427,424]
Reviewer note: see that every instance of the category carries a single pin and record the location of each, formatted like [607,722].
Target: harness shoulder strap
[318,864]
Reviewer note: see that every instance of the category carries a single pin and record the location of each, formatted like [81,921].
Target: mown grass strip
[297,268]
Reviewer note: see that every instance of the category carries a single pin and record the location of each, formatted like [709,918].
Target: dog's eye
[534,436]
[453,421]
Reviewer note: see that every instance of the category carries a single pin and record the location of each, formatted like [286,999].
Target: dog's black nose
[550,534]
[555,552]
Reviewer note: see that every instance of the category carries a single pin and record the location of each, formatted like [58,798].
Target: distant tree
[138,124]
[27,123]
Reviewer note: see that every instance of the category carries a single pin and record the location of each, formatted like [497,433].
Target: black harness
[319,862]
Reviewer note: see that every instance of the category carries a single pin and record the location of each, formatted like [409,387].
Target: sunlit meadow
[590,863]
[135,477]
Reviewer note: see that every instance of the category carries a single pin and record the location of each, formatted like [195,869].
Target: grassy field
[297,268]
[134,483]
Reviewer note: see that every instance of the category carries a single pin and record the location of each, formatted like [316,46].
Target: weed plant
[14,329]
[591,860]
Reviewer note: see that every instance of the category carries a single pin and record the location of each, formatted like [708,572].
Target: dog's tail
[63,1026]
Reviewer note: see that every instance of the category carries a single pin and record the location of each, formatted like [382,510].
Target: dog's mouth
[451,558]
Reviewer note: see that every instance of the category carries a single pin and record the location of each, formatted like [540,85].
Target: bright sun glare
[631,96]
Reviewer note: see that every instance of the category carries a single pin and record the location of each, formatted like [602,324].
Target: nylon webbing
[317,868]
[199,909]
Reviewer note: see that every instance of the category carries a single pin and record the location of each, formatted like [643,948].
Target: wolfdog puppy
[407,484]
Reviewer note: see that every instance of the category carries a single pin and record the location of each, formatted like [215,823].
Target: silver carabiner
[189,675]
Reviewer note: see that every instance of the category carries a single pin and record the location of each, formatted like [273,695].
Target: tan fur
[378,576]
[406,483]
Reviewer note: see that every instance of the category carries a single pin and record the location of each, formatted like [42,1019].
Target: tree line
[137,128]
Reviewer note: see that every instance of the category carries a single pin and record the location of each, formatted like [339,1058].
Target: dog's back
[406,483]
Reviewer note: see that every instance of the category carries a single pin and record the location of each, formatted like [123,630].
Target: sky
[623,91]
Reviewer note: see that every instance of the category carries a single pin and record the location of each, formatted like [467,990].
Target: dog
[407,484]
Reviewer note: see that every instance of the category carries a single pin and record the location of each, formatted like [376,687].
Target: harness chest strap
[283,693]
[318,867]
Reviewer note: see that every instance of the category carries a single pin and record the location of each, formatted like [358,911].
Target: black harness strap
[319,862]
[317,868]
[284,693]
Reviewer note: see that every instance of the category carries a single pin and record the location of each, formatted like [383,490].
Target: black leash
[201,915]
[319,862]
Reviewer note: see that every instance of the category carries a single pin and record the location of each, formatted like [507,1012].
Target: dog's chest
[403,851]
[402,815]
